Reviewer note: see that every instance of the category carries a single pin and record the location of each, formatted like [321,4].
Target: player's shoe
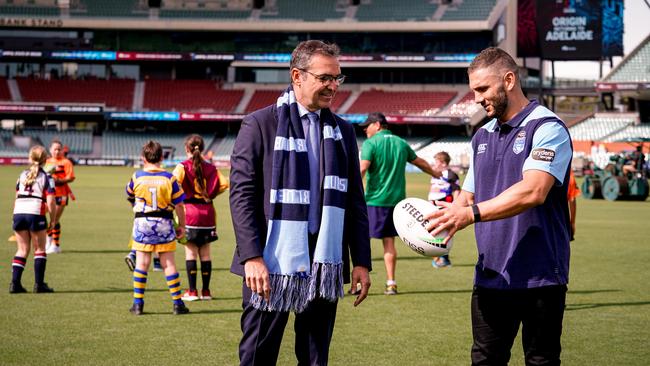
[42,288]
[53,249]
[441,262]
[190,295]
[130,261]
[180,309]
[206,295]
[16,288]
[390,290]
[137,309]
[156,266]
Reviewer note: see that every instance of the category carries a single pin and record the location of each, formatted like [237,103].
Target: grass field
[86,321]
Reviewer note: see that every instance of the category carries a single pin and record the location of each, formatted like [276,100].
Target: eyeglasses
[325,78]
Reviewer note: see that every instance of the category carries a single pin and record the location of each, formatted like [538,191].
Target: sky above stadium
[635,20]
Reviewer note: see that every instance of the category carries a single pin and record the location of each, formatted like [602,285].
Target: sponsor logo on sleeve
[481,149]
[543,155]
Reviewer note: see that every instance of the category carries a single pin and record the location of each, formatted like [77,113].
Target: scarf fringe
[293,292]
[330,286]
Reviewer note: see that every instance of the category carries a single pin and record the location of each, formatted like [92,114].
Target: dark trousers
[497,314]
[263,331]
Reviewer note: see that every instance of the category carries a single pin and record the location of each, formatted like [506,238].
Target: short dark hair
[152,152]
[375,117]
[302,54]
[494,57]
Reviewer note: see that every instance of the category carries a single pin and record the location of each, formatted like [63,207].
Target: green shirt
[388,155]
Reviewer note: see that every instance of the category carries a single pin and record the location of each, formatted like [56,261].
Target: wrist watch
[477,213]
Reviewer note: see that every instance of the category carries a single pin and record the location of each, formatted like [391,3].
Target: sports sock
[18,266]
[56,234]
[40,260]
[391,282]
[174,284]
[191,273]
[206,273]
[139,285]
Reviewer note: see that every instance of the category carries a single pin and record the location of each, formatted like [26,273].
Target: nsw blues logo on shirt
[520,142]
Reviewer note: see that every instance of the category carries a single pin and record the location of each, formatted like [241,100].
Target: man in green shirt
[384,157]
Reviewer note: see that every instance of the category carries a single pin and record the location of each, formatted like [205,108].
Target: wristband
[477,213]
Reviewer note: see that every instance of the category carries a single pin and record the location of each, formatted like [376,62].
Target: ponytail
[194,145]
[197,164]
[38,157]
[33,173]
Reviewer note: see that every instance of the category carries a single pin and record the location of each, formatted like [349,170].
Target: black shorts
[201,236]
[29,222]
[381,222]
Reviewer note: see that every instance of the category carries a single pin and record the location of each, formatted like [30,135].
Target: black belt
[163,214]
[28,196]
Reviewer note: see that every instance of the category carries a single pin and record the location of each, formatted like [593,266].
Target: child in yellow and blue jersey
[155,194]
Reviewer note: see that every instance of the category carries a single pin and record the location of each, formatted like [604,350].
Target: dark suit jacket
[250,183]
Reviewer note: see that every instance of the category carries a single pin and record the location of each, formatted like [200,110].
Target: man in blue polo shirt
[515,194]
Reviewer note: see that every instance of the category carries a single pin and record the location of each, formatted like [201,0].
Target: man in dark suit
[295,184]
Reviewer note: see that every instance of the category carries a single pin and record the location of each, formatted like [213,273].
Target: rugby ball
[410,224]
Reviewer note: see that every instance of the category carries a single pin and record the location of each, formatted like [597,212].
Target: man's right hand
[257,277]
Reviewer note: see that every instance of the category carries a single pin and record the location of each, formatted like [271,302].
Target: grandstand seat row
[206,95]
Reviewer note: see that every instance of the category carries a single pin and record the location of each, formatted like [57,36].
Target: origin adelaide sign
[570,29]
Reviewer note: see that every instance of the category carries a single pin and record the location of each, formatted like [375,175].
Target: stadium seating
[633,68]
[125,145]
[401,102]
[264,98]
[4,90]
[30,8]
[79,142]
[465,107]
[205,14]
[598,128]
[261,99]
[390,10]
[189,95]
[193,9]
[418,142]
[458,148]
[223,147]
[631,133]
[307,10]
[115,93]
[113,9]
[469,10]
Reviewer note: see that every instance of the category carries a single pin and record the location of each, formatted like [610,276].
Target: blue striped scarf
[294,281]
